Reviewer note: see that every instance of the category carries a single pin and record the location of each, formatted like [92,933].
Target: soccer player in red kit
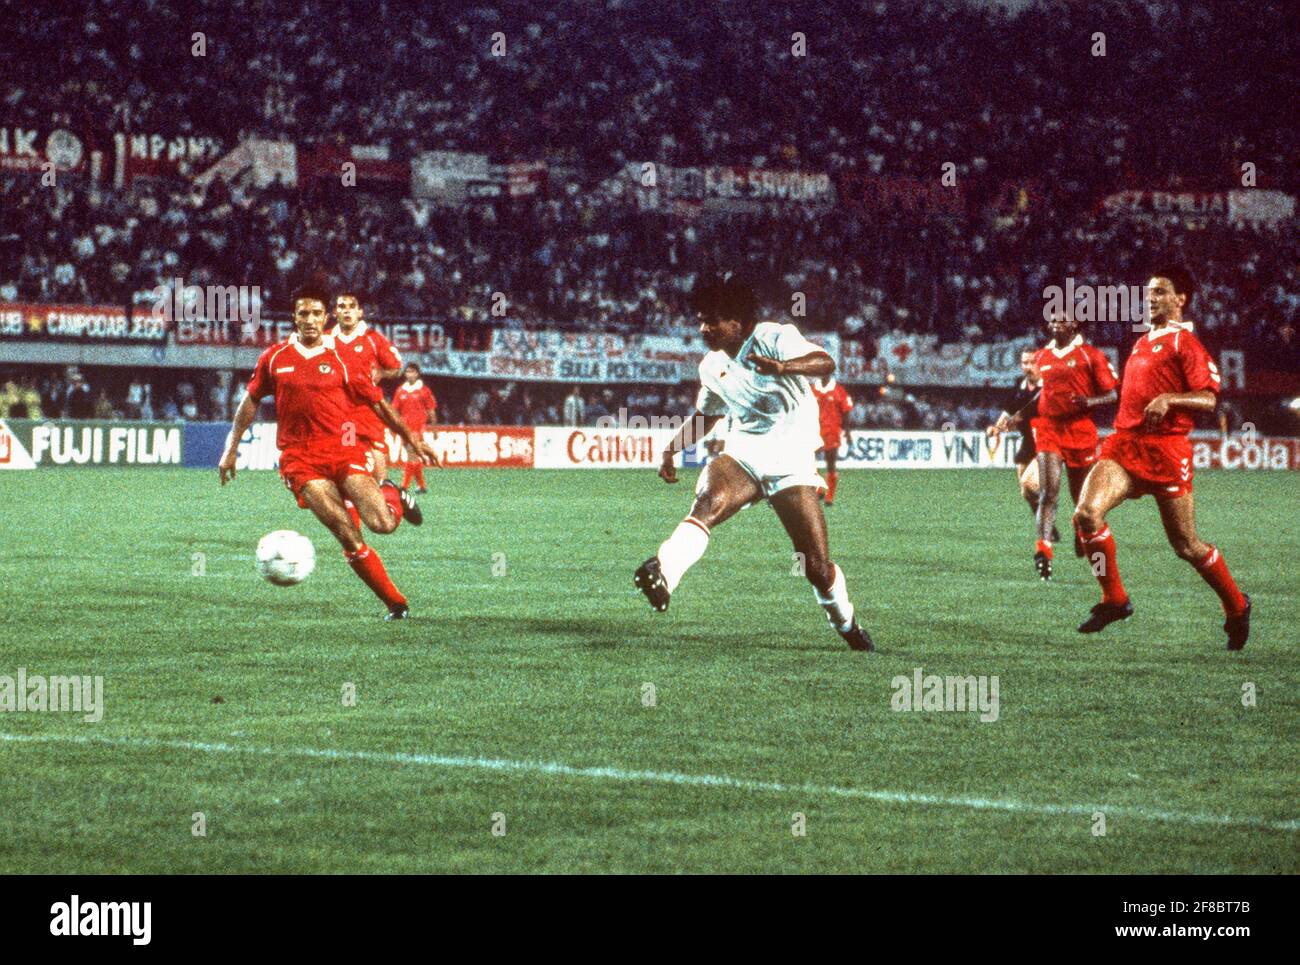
[321,460]
[1075,378]
[1169,376]
[367,355]
[833,404]
[417,407]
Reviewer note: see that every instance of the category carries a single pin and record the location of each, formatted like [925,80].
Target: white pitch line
[555,769]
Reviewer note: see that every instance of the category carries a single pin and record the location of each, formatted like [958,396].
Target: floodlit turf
[529,646]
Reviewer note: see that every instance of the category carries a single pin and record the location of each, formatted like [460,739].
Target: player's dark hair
[1183,282]
[725,297]
[356,293]
[311,289]
[412,365]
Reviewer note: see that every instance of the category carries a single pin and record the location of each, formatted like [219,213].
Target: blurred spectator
[135,399]
[78,400]
[575,410]
[104,408]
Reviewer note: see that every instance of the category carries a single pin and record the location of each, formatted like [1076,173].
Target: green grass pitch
[530,648]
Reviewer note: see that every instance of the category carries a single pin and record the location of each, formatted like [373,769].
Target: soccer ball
[285,557]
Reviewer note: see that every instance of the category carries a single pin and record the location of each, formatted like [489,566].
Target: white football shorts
[775,460]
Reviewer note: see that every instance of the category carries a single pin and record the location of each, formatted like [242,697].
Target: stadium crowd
[109,393]
[1016,109]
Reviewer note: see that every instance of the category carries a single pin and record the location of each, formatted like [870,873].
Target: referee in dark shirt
[1022,406]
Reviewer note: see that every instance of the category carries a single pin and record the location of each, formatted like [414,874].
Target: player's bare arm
[1086,403]
[1158,408]
[696,427]
[391,419]
[1004,424]
[815,365]
[244,417]
[1023,414]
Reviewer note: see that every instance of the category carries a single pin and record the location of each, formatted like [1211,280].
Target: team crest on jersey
[1070,364]
[325,368]
[357,349]
[1156,349]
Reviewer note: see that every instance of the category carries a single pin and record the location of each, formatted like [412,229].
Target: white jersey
[761,404]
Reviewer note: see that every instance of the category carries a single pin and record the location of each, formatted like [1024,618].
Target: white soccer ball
[285,557]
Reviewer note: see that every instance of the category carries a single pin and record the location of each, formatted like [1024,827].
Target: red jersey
[1077,369]
[363,352]
[314,395]
[415,404]
[833,404]
[1167,359]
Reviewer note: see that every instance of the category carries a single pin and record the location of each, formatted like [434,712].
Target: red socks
[1044,547]
[831,479]
[413,470]
[366,564]
[1214,570]
[1105,569]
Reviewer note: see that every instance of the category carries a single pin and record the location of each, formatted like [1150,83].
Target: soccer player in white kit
[757,373]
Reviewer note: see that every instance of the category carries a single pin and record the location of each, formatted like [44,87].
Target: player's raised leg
[1179,519]
[723,490]
[801,514]
[1107,485]
[381,506]
[323,498]
[1050,466]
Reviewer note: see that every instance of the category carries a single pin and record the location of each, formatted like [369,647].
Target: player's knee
[1087,518]
[1192,550]
[382,523]
[707,508]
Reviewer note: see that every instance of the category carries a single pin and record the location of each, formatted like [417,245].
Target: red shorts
[1075,441]
[300,466]
[831,440]
[1161,465]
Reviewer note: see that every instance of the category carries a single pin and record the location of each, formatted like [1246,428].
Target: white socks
[836,603]
[682,550]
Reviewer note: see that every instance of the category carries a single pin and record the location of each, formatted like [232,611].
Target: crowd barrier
[64,443]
